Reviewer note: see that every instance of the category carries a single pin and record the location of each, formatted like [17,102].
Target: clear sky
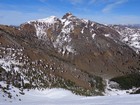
[15,12]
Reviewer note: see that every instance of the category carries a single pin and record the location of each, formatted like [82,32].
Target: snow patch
[67,23]
[63,44]
[40,31]
[67,28]
[109,91]
[85,20]
[92,24]
[93,36]
[8,58]
[7,62]
[107,35]
[82,31]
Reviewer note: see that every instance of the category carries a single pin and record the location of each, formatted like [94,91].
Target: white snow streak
[107,35]
[93,35]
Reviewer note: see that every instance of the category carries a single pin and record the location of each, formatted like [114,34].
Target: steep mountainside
[70,53]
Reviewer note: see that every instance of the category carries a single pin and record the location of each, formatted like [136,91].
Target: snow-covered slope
[129,35]
[64,97]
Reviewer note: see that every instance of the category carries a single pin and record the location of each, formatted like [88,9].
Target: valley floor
[64,97]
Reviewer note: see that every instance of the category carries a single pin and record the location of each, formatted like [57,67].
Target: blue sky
[15,12]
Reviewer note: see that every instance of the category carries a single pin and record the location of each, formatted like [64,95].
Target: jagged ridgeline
[71,53]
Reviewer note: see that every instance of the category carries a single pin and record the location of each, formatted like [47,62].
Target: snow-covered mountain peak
[51,20]
[62,31]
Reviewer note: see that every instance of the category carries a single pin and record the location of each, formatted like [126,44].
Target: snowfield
[65,97]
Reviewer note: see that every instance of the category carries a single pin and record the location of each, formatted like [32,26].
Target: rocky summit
[72,53]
